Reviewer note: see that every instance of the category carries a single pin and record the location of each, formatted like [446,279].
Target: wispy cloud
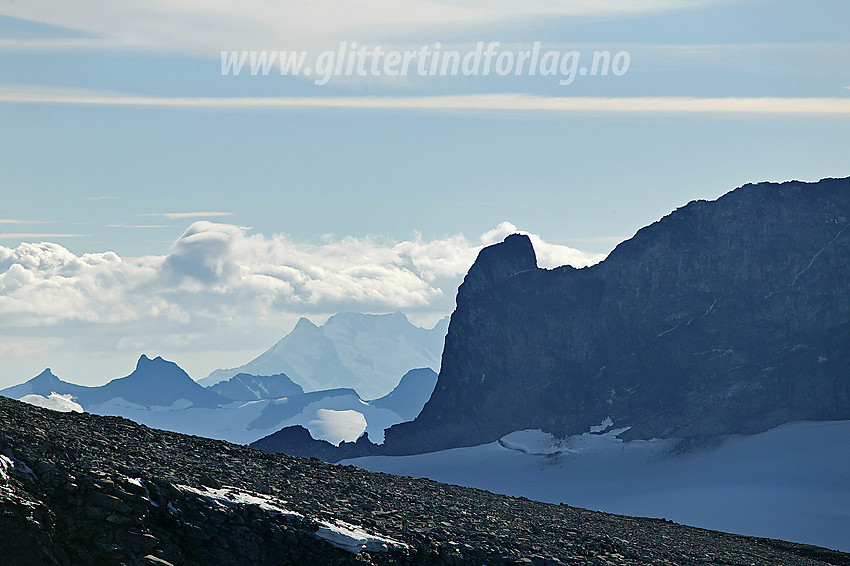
[18,221]
[203,27]
[177,215]
[30,236]
[480,102]
[136,226]
[64,44]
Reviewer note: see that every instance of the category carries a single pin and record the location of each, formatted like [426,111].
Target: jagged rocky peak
[500,261]
[45,379]
[145,360]
[157,382]
[158,368]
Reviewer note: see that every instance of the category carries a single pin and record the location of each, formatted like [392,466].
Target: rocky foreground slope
[86,489]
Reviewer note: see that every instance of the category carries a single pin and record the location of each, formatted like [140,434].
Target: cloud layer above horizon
[221,278]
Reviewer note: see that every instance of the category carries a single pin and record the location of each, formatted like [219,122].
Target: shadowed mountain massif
[730,316]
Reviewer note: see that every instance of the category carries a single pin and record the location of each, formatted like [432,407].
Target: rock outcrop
[731,316]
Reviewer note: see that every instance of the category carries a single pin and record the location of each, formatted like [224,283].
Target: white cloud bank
[222,271]
[220,284]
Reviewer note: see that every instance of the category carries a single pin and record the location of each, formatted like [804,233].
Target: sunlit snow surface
[792,482]
[56,402]
[336,426]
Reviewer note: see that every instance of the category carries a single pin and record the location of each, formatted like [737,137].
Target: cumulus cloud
[220,270]
[222,288]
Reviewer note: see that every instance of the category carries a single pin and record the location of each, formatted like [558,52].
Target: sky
[154,201]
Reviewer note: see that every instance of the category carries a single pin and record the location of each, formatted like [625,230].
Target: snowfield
[791,482]
[55,402]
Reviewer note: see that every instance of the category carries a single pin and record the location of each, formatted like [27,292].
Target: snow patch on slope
[534,442]
[354,539]
[55,402]
[338,533]
[6,464]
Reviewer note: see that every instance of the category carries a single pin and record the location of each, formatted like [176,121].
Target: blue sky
[379,188]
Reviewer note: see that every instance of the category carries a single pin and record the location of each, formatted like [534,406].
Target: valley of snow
[791,482]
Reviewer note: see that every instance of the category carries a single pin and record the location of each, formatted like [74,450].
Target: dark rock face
[731,316]
[82,489]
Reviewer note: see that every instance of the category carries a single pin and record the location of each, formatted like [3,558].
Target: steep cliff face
[731,316]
